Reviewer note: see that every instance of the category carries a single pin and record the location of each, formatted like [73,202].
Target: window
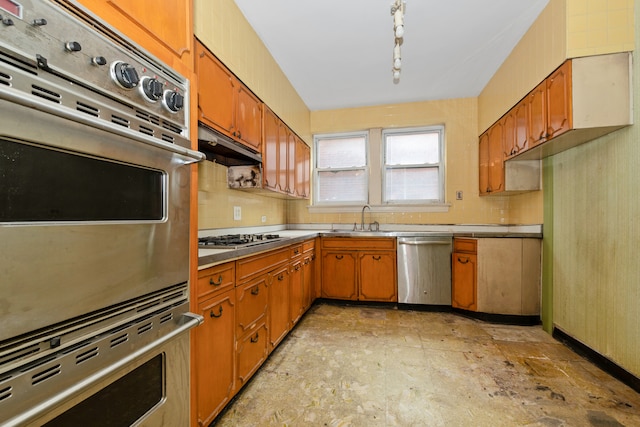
[413,167]
[391,169]
[341,169]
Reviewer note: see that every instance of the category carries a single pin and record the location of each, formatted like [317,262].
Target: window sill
[439,207]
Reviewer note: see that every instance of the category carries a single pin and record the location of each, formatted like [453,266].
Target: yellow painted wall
[459,117]
[220,25]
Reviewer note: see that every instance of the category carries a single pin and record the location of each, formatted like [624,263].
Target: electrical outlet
[458,195]
[264,218]
[237,213]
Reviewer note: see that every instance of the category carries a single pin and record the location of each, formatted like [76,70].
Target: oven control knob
[39,22]
[152,88]
[124,75]
[173,100]
[99,60]
[73,47]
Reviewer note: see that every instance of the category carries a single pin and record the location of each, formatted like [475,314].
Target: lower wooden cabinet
[464,274]
[214,358]
[378,276]
[279,313]
[251,352]
[249,305]
[497,275]
[362,269]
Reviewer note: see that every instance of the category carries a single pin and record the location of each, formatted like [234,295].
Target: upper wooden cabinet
[224,103]
[516,129]
[165,30]
[286,159]
[581,100]
[271,150]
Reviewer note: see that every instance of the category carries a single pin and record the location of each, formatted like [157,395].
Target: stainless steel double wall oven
[94,224]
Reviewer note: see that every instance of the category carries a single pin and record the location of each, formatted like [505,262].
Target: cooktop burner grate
[236,240]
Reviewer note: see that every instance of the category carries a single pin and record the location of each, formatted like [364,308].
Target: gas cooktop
[236,241]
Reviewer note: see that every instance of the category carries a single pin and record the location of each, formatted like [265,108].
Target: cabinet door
[214,358]
[167,35]
[248,120]
[216,91]
[521,132]
[251,303]
[291,163]
[509,134]
[307,280]
[496,158]
[303,164]
[283,145]
[378,276]
[279,322]
[339,275]
[483,157]
[559,114]
[537,103]
[464,281]
[251,353]
[270,164]
[296,293]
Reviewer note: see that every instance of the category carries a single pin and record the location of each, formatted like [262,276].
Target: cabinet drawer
[252,300]
[251,353]
[359,243]
[295,250]
[465,245]
[309,245]
[255,265]
[215,279]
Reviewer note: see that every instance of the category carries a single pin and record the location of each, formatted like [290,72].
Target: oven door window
[121,403]
[40,184]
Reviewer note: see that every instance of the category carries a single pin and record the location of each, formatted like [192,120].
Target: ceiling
[338,53]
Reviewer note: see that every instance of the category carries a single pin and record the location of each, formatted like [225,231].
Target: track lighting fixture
[397,11]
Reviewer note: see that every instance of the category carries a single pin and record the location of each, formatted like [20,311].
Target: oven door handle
[187,321]
[188,156]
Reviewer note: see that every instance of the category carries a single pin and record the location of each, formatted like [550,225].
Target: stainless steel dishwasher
[424,270]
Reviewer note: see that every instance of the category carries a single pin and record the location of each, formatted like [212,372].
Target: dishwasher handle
[423,242]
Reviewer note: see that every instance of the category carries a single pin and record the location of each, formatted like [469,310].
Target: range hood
[222,149]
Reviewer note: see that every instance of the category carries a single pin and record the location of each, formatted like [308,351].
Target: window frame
[439,129]
[316,170]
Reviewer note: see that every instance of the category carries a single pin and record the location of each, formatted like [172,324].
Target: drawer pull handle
[255,338]
[255,291]
[281,277]
[216,283]
[212,314]
[463,260]
[339,256]
[296,251]
[377,258]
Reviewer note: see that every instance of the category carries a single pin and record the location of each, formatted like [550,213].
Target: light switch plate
[237,213]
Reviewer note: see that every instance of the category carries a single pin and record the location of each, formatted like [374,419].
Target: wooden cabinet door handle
[212,314]
[281,277]
[255,338]
[255,291]
[216,283]
[461,261]
[339,256]
[376,258]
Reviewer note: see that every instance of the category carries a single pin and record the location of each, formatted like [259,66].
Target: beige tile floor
[363,366]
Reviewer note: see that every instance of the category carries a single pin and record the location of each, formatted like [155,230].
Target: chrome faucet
[362,216]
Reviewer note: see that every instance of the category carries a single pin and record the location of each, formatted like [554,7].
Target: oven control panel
[65,40]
